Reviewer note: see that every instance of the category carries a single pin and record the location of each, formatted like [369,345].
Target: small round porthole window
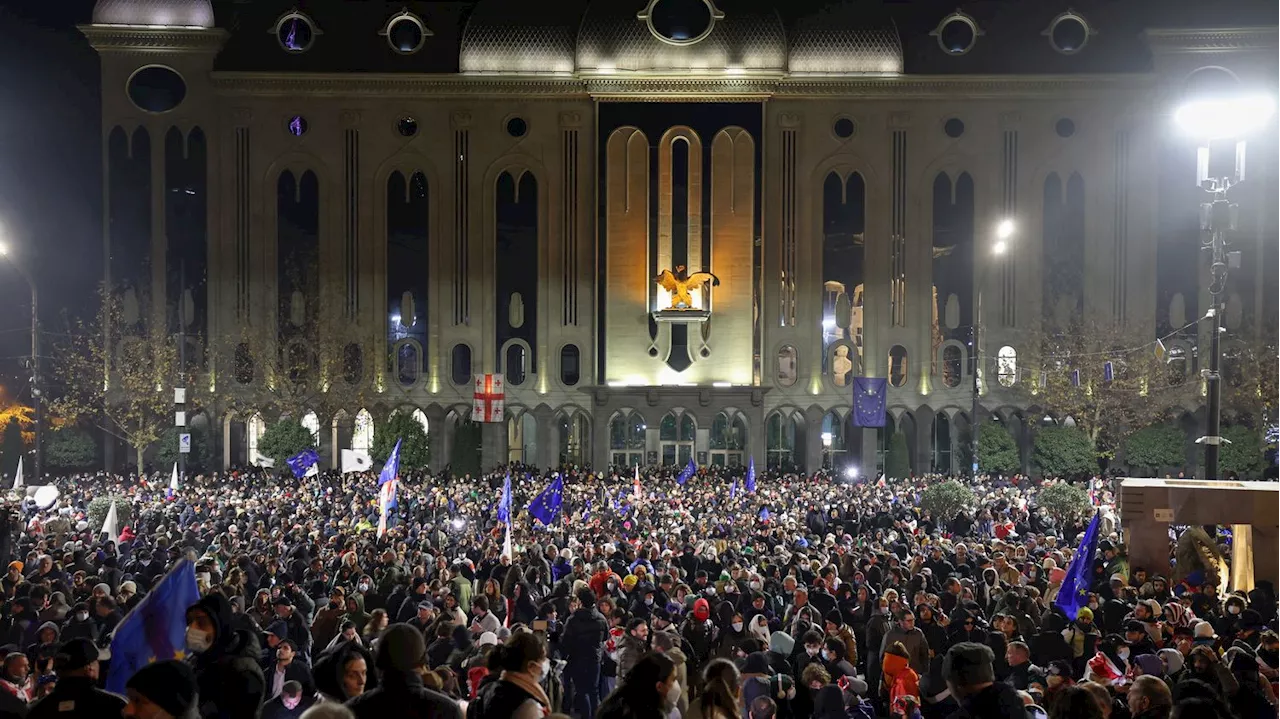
[1069,33]
[406,33]
[297,126]
[407,127]
[843,128]
[680,22]
[956,33]
[156,89]
[295,32]
[953,127]
[517,127]
[1066,127]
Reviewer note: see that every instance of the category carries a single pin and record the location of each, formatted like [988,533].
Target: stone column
[924,444]
[869,447]
[437,434]
[493,445]
[599,449]
[813,441]
[546,439]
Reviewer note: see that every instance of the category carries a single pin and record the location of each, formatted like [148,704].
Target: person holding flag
[546,505]
[750,484]
[685,474]
[1074,592]
[387,480]
[305,463]
[504,516]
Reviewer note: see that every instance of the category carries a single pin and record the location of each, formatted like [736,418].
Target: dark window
[680,20]
[460,366]
[157,89]
[352,363]
[954,127]
[297,126]
[405,35]
[569,365]
[514,366]
[1069,34]
[843,128]
[407,126]
[407,364]
[952,360]
[1065,127]
[243,364]
[898,366]
[517,127]
[956,36]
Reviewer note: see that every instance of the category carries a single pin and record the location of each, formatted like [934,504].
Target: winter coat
[75,697]
[583,637]
[403,696]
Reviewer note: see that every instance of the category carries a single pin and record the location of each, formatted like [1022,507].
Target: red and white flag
[488,398]
[637,493]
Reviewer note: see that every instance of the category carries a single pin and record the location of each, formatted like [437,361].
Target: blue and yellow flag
[546,505]
[1074,592]
[156,629]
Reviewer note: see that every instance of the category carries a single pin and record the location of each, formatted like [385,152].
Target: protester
[163,690]
[76,694]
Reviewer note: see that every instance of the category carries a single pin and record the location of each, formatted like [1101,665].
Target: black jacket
[81,697]
[583,637]
[230,681]
[403,696]
[998,701]
[497,700]
[275,709]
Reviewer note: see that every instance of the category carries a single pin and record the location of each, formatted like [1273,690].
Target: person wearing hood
[231,683]
[342,673]
[42,652]
[76,693]
[57,609]
[355,610]
[162,690]
[732,634]
[698,632]
[400,660]
[462,649]
[877,629]
[582,645]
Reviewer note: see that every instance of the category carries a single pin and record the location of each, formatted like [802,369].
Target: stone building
[491,186]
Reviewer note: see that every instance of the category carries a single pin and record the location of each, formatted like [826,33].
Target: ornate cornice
[397,85]
[1211,40]
[142,40]
[679,89]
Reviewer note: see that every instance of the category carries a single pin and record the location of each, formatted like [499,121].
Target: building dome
[844,40]
[680,36]
[517,37]
[154,13]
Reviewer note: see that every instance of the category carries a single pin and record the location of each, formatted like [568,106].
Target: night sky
[50,171]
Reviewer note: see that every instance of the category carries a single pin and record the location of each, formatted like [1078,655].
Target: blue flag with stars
[733,489]
[1074,592]
[545,506]
[390,474]
[156,629]
[687,472]
[302,462]
[751,476]
[504,504]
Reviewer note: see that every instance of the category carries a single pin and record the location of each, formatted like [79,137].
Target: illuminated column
[627,255]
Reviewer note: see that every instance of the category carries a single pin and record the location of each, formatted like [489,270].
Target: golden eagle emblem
[678,284]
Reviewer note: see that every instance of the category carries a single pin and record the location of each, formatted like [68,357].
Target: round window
[156,89]
[297,126]
[953,127]
[680,22]
[843,128]
[956,34]
[517,127]
[406,34]
[1068,33]
[295,32]
[1066,127]
[407,126]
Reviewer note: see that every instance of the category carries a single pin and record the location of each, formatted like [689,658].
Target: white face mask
[82,616]
[197,640]
[673,694]
[364,587]
[826,656]
[737,626]
[1234,609]
[1123,654]
[544,669]
[755,586]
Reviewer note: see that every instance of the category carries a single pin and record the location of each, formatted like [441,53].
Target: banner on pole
[488,398]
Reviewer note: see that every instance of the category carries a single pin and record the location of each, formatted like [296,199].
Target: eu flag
[303,462]
[733,489]
[156,629]
[504,504]
[686,473]
[751,476]
[545,506]
[1074,592]
[390,475]
[869,401]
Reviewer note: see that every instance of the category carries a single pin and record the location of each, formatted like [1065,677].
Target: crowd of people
[799,596]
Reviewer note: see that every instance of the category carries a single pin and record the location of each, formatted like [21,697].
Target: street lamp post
[36,393]
[1221,115]
[1004,231]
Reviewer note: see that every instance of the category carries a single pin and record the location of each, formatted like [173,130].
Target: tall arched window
[787,370]
[407,364]
[570,370]
[460,364]
[781,434]
[257,428]
[728,439]
[1007,366]
[514,367]
[627,439]
[421,418]
[675,435]
[952,365]
[362,432]
[312,422]
[844,219]
[898,366]
[833,440]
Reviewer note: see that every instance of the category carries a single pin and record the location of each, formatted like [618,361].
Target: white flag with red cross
[488,398]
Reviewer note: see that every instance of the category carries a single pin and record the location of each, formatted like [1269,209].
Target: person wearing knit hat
[401,653]
[163,690]
[76,693]
[969,670]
